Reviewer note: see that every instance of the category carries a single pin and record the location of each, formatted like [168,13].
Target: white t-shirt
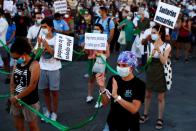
[156,55]
[3,30]
[33,31]
[51,64]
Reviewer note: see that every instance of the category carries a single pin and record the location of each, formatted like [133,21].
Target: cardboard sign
[8,5]
[167,15]
[60,6]
[95,41]
[64,47]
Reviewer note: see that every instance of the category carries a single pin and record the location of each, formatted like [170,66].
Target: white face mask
[38,21]
[96,31]
[36,10]
[66,16]
[154,37]
[128,18]
[45,31]
[123,71]
[19,13]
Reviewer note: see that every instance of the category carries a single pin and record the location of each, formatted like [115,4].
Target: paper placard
[60,6]
[167,15]
[95,41]
[64,47]
[8,5]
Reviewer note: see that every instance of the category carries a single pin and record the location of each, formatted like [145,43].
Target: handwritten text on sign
[60,6]
[167,15]
[64,47]
[95,41]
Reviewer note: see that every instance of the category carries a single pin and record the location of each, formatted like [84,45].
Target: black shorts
[183,39]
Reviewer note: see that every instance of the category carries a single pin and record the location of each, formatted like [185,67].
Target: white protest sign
[95,41]
[64,47]
[167,15]
[8,5]
[60,6]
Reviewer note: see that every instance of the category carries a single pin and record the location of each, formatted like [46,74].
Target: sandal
[143,118]
[159,124]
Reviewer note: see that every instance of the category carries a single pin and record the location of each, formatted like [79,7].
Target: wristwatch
[117,98]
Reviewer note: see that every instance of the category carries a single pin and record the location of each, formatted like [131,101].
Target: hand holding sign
[64,47]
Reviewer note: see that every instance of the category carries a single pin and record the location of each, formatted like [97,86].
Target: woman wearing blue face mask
[23,85]
[126,93]
[155,78]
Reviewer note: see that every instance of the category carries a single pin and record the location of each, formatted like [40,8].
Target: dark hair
[21,46]
[48,21]
[8,18]
[57,15]
[161,30]
[103,8]
[100,26]
[1,12]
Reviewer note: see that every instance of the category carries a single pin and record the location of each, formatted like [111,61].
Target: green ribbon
[88,120]
[57,124]
[39,53]
[78,53]
[54,123]
[108,66]
[4,96]
[5,72]
[5,46]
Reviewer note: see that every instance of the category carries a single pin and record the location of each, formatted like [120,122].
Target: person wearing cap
[127,26]
[60,25]
[126,93]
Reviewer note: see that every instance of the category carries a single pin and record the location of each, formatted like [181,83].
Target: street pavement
[180,110]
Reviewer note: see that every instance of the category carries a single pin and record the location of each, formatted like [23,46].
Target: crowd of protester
[131,33]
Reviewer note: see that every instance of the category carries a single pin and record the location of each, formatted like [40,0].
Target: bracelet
[102,92]
[117,99]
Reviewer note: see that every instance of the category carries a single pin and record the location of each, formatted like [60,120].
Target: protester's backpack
[108,23]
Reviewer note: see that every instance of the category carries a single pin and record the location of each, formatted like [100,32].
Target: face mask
[139,17]
[45,31]
[66,16]
[36,10]
[128,18]
[20,61]
[38,21]
[123,71]
[154,37]
[19,13]
[110,14]
[96,31]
